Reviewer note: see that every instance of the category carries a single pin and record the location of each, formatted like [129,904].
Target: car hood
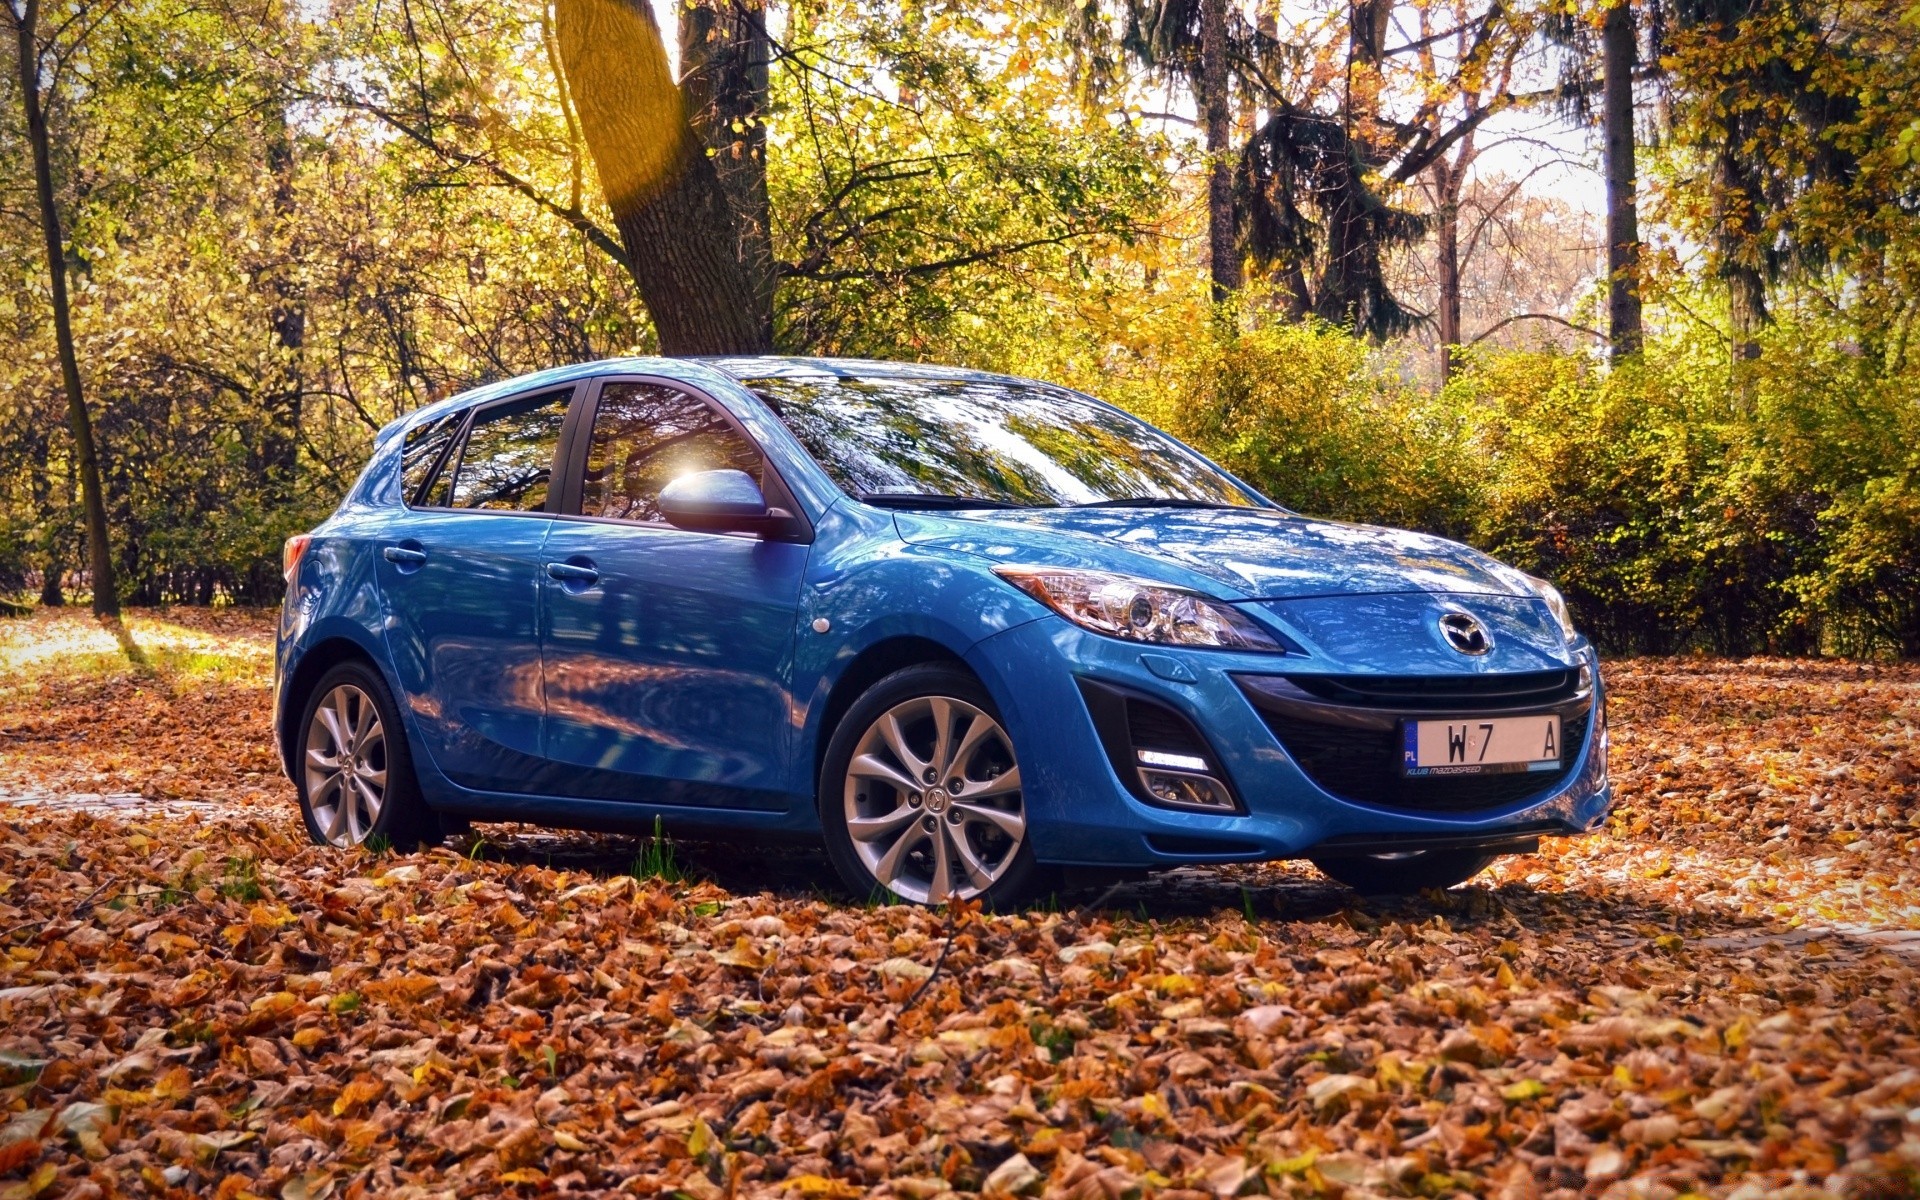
[1237,554]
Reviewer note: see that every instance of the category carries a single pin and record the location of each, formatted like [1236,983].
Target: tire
[353,769]
[1419,871]
[891,832]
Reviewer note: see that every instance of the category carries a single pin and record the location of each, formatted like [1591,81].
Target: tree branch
[573,214]
[1497,326]
[948,264]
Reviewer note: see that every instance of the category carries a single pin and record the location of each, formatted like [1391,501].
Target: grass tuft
[242,879]
[656,858]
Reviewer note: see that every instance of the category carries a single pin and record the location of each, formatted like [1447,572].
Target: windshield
[944,442]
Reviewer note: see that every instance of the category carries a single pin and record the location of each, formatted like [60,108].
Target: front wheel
[1405,874]
[921,797]
[355,775]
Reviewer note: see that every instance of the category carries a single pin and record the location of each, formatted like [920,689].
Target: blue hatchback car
[967,629]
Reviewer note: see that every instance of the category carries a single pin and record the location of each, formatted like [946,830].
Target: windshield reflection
[908,440]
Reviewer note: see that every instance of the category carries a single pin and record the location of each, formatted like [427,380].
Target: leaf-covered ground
[1721,995]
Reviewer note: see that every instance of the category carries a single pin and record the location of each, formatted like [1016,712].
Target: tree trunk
[1747,304]
[1446,230]
[106,598]
[1214,91]
[724,52]
[281,390]
[52,593]
[287,318]
[1618,51]
[1740,248]
[1292,278]
[1352,288]
[674,220]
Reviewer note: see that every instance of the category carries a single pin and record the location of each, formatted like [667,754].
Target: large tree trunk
[1618,52]
[1223,242]
[674,220]
[106,597]
[724,53]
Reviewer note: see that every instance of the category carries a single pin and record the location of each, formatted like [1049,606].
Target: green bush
[1835,439]
[1614,484]
[1305,414]
[1678,506]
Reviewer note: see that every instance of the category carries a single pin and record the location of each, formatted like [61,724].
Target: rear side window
[646,435]
[506,460]
[422,452]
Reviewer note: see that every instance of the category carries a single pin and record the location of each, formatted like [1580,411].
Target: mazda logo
[1465,633]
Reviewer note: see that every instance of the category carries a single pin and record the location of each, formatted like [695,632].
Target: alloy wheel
[346,765]
[933,801]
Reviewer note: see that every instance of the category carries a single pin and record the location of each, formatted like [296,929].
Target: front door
[460,580]
[667,652]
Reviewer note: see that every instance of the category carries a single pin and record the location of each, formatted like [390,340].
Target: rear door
[460,578]
[668,652]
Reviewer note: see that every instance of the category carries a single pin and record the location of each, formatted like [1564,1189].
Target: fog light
[1185,790]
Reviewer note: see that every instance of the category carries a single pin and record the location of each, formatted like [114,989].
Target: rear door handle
[572,573]
[402,556]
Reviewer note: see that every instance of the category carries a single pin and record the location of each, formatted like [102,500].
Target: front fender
[870,588]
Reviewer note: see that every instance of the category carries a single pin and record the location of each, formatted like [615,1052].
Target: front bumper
[1081,813]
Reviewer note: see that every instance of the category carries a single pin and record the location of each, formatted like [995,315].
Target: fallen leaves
[203,1004]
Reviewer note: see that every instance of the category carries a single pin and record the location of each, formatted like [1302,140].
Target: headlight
[1556,604]
[1138,609]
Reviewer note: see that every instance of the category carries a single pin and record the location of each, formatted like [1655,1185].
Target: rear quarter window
[425,446]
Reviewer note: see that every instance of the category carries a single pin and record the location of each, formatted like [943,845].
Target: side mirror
[725,501]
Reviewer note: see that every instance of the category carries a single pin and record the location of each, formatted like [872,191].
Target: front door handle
[401,556]
[567,572]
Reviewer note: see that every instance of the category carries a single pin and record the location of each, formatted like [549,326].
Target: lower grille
[1363,765]
[1157,753]
[1152,727]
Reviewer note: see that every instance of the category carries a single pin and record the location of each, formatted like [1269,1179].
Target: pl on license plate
[1481,745]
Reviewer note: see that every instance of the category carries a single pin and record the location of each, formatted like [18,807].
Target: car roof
[739,367]
[785,366]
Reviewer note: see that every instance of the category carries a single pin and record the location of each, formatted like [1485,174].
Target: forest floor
[1718,995]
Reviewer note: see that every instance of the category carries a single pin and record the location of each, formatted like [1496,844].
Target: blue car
[969,630]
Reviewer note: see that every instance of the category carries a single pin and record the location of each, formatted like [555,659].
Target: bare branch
[1497,326]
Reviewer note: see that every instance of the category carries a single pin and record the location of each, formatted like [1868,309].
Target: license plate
[1481,746]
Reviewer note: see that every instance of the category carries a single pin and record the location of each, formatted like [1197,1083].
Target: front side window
[646,435]
[908,439]
[507,460]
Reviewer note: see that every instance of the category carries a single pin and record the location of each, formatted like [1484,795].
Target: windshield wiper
[932,500]
[1156,502]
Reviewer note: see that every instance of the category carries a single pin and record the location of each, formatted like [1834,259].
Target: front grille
[1481,692]
[1363,765]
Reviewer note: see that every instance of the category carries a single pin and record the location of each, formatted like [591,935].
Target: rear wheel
[1405,874]
[354,773]
[921,797]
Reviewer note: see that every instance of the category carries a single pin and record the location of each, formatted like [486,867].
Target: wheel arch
[867,668]
[314,662]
